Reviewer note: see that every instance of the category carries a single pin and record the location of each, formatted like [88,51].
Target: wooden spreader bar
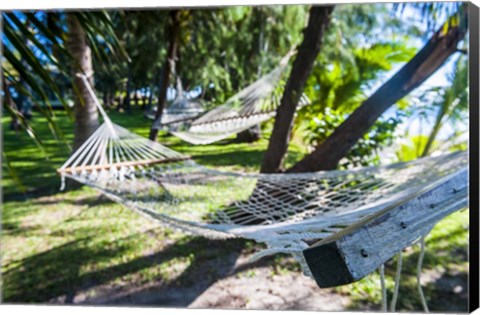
[120,164]
[233,118]
[361,248]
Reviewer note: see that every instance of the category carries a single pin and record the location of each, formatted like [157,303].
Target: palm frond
[30,44]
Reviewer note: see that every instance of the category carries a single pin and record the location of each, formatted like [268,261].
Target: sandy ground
[278,293]
[236,285]
[227,280]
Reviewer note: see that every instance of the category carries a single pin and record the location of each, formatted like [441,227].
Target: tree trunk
[250,135]
[432,56]
[11,106]
[302,67]
[109,102]
[86,115]
[105,98]
[119,103]
[135,96]
[22,101]
[111,99]
[431,138]
[173,29]
[144,97]
[127,106]
[151,89]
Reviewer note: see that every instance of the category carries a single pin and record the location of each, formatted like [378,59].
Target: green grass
[58,243]
[55,242]
[36,169]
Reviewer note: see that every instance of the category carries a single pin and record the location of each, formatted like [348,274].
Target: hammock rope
[287,212]
[381,271]
[419,269]
[396,288]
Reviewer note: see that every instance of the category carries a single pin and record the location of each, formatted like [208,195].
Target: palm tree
[86,115]
[34,46]
[318,22]
[450,103]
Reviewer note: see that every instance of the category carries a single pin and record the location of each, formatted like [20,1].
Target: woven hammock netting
[180,111]
[253,105]
[285,211]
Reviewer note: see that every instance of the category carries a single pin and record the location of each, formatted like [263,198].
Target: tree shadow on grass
[38,192]
[214,260]
[41,277]
[60,272]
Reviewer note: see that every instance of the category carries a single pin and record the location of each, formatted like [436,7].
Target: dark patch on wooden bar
[327,265]
[379,220]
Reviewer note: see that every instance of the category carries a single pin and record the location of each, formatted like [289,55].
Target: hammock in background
[251,106]
[180,111]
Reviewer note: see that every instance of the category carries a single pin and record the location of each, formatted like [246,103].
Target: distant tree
[412,148]
[144,36]
[220,51]
[229,48]
[173,29]
[450,103]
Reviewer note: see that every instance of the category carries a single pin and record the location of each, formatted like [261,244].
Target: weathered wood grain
[360,249]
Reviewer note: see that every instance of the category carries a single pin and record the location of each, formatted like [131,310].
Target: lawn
[78,247]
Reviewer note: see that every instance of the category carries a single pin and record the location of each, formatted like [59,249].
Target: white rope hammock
[251,106]
[181,110]
[288,212]
[284,211]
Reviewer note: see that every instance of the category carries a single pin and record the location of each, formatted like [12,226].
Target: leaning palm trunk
[426,62]
[86,116]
